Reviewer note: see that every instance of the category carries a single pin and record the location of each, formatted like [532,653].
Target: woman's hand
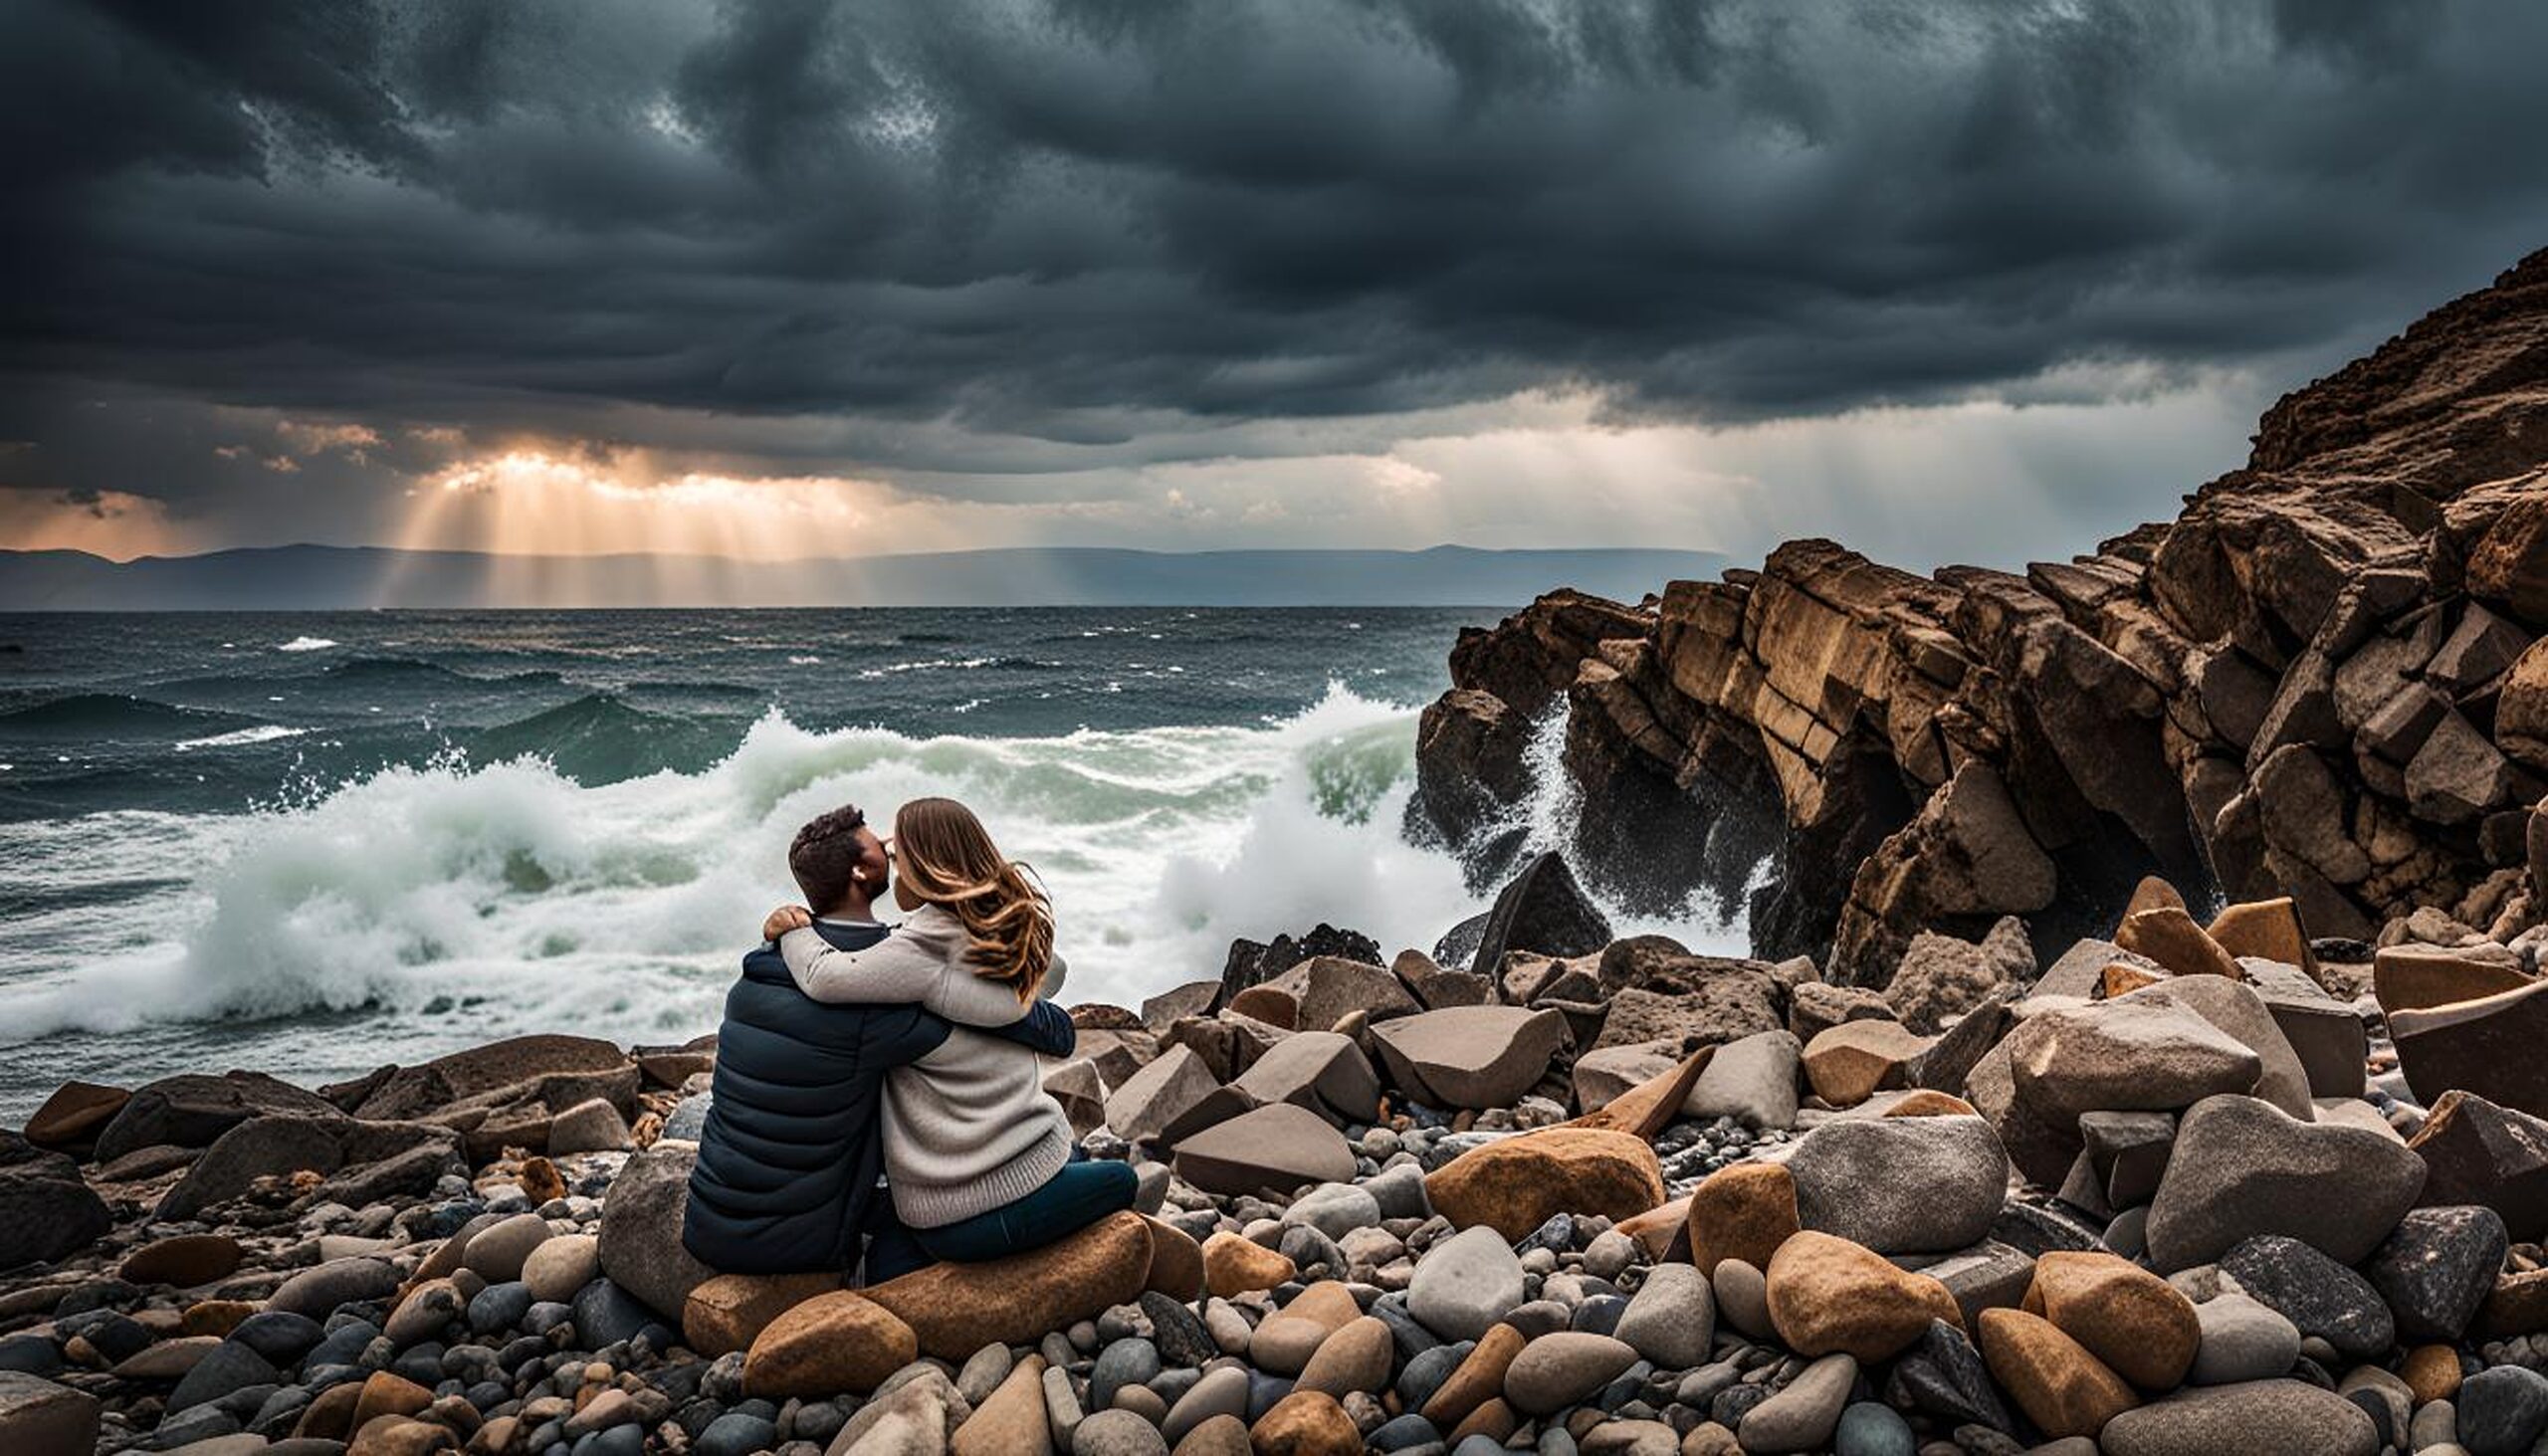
[784,919]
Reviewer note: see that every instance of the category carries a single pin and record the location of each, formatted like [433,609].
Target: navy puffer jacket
[793,1145]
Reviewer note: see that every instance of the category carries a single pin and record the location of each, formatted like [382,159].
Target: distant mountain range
[314,579]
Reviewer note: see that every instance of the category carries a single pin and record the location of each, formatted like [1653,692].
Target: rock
[42,1418]
[2487,1047]
[2262,1417]
[1305,1424]
[1355,1358]
[46,1210]
[1752,1080]
[1854,1060]
[1601,1076]
[1176,1263]
[1117,1433]
[1159,1094]
[1465,1284]
[2417,978]
[1989,1275]
[2242,1016]
[2432,1373]
[228,1368]
[70,1119]
[2239,1167]
[2502,1410]
[919,1415]
[318,1292]
[590,1126]
[193,1109]
[366,1161]
[2243,1341]
[1802,1414]
[1743,1211]
[2169,936]
[1335,1209]
[1541,909]
[1828,1295]
[2131,1320]
[1320,1070]
[729,1311]
[2457,775]
[1942,978]
[497,1252]
[1470,1056]
[2436,1268]
[1557,1370]
[1742,1295]
[1274,1149]
[1850,1175]
[738,1433]
[1671,1319]
[954,1309]
[1944,1375]
[606,1314]
[1124,1362]
[183,1260]
[1332,986]
[1515,1184]
[2320,1297]
[2268,930]
[1869,1429]
[2128,1055]
[1478,1379]
[1234,1265]
[640,1245]
[2062,1388]
[562,1265]
[1079,1090]
[2476,1153]
[427,1309]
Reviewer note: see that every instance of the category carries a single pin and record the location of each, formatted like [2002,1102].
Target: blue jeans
[1080,1193]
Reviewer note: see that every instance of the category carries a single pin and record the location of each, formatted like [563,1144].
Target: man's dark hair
[825,855]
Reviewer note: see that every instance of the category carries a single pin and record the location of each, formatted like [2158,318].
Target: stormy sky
[1952,281]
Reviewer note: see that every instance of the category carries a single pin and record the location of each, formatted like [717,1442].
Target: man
[792,1152]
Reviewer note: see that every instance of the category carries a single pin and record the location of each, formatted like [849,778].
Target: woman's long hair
[947,859]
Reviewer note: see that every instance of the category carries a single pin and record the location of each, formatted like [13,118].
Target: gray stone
[1274,1148]
[2502,1410]
[2438,1268]
[1471,1056]
[1671,1319]
[1335,1209]
[1132,1361]
[2240,1168]
[1869,1429]
[318,1292]
[2253,1418]
[1850,1175]
[40,1417]
[1752,1080]
[2242,1340]
[1557,1370]
[1801,1416]
[641,1219]
[1465,1284]
[1159,1094]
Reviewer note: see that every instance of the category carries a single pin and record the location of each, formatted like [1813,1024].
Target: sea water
[309,843]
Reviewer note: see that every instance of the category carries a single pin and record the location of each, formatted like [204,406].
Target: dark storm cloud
[945,225]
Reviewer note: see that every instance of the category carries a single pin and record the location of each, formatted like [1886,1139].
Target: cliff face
[2312,682]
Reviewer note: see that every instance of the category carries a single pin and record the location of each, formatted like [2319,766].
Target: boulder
[2242,1016]
[2170,937]
[2436,1268]
[1159,1094]
[1272,1149]
[2067,1391]
[1194,998]
[590,1126]
[2320,1297]
[1333,987]
[410,1156]
[2265,930]
[1471,1056]
[1752,1080]
[1723,1008]
[640,1244]
[1320,1070]
[956,1309]
[2487,1046]
[2125,1056]
[1600,1076]
[1744,1211]
[1851,1176]
[46,1210]
[497,1067]
[1942,978]
[833,1343]
[1515,1184]
[2416,977]
[1076,1086]
[193,1109]
[42,1418]
[1828,1295]
[2240,1168]
[1541,909]
[2474,1152]
[72,1118]
[1852,1061]
[2139,1325]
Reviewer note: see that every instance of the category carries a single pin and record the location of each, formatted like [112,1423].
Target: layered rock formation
[2323,680]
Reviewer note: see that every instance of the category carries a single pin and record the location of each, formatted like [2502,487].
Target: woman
[979,1158]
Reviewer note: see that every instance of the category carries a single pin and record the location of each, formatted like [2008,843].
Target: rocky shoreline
[2192,1187]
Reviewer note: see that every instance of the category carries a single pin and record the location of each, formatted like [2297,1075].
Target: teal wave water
[312,843]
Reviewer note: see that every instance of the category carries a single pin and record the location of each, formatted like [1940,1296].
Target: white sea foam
[264,732]
[307,644]
[470,902]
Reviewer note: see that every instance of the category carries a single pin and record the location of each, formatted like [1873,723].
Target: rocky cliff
[2323,680]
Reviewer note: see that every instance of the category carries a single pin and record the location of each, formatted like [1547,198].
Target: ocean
[313,842]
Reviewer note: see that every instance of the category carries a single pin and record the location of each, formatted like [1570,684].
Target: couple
[850,1049]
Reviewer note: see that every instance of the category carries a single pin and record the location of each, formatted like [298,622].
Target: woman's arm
[916,963]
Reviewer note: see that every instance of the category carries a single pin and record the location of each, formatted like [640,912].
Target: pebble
[1869,1429]
[1557,1370]
[2242,1341]
[1465,1284]
[1671,1319]
[1117,1433]
[1803,1416]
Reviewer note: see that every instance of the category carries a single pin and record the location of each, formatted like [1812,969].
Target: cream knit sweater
[968,1128]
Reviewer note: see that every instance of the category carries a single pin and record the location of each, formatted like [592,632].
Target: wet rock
[46,1210]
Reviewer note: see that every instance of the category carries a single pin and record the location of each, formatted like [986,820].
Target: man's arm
[1045,1030]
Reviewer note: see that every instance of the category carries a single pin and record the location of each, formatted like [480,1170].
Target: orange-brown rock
[2170,937]
[1496,1420]
[1176,1262]
[215,1317]
[330,1413]
[2268,930]
[183,1259]
[1234,1265]
[1744,1211]
[2061,1386]
[2123,979]
[2153,893]
[383,1393]
[834,1343]
[1515,1184]
[2517,1304]
[956,1308]
[1010,1421]
[1644,1110]
[1476,1379]
[1928,1102]
[1306,1424]
[1827,1294]
[1658,1229]
[395,1435]
[729,1311]
[2141,1326]
[1851,1062]
[2417,978]
[2432,1373]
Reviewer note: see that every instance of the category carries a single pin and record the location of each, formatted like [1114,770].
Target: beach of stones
[2199,1185]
